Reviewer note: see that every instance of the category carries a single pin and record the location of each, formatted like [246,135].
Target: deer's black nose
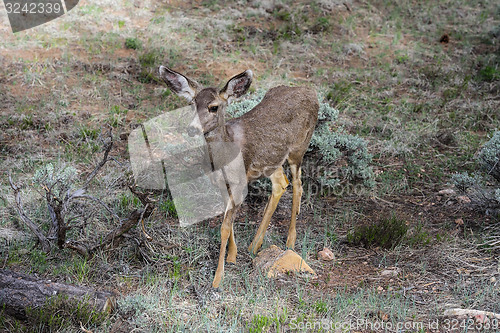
[193,131]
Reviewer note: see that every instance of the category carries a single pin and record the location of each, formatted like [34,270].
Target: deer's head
[210,103]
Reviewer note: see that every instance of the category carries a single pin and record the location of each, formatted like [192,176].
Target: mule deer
[279,128]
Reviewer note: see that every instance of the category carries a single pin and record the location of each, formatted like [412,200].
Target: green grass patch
[488,74]
[132,43]
[386,233]
[60,312]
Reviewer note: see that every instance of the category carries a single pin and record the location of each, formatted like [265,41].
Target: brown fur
[279,127]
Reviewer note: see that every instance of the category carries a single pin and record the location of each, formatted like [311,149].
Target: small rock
[493,279]
[447,191]
[464,199]
[326,254]
[481,318]
[445,39]
[353,48]
[384,316]
[276,261]
[389,272]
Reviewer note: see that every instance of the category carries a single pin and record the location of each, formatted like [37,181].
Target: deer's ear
[237,86]
[178,83]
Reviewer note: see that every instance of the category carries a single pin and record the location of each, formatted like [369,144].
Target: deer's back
[279,126]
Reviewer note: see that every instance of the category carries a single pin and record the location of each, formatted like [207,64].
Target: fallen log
[471,312]
[22,295]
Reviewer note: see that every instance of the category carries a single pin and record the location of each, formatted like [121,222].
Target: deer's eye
[213,108]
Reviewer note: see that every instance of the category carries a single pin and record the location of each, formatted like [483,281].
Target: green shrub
[333,145]
[132,43]
[149,59]
[484,198]
[57,178]
[386,233]
[489,74]
[489,156]
[463,181]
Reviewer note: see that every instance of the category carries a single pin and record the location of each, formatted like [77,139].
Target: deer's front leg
[226,233]
[232,250]
[297,194]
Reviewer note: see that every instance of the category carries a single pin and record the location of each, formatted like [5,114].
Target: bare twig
[44,242]
[107,148]
[86,196]
[131,221]
[143,197]
[78,247]
[149,238]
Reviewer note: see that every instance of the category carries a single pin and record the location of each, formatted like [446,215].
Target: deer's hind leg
[297,195]
[280,183]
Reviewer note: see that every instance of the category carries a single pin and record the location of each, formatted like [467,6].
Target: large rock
[275,261]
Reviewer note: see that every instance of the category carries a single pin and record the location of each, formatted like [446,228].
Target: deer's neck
[220,133]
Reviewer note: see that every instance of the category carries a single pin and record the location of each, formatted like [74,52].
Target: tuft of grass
[321,24]
[60,312]
[149,58]
[488,74]
[386,233]
[321,307]
[38,260]
[262,323]
[420,237]
[168,208]
[339,93]
[132,43]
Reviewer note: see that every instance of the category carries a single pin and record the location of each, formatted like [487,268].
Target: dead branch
[134,218]
[58,205]
[44,242]
[80,248]
[143,197]
[109,210]
[20,292]
[470,312]
[131,221]
[107,148]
